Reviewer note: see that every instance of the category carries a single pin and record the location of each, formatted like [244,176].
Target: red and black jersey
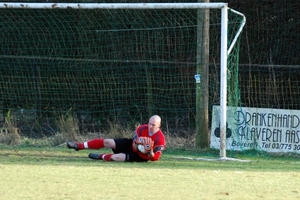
[158,138]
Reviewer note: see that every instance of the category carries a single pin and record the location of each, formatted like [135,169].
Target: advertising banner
[271,130]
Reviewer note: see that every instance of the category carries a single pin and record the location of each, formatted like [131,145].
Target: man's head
[154,124]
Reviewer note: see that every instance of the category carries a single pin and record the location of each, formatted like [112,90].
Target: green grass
[59,173]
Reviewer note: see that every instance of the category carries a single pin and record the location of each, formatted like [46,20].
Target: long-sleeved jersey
[158,138]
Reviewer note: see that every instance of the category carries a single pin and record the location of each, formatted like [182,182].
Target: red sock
[80,146]
[96,143]
[107,157]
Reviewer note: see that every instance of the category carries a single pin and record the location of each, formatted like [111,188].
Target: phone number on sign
[280,146]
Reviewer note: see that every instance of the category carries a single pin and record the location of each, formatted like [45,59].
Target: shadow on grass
[43,156]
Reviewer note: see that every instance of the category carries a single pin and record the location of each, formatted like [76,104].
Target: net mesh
[103,66]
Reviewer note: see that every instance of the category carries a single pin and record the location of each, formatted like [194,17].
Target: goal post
[224,68]
[223,48]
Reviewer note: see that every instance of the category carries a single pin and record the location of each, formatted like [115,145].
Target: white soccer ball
[141,148]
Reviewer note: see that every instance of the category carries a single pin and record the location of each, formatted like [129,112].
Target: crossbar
[113,5]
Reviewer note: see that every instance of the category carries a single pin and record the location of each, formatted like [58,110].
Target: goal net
[119,63]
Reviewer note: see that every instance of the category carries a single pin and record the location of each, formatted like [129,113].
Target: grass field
[59,173]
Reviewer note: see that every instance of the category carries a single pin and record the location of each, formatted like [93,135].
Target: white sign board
[271,130]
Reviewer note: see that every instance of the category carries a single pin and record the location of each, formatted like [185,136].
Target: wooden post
[202,92]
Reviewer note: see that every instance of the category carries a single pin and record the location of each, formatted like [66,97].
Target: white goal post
[224,37]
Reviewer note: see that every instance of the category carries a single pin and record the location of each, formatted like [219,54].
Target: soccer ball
[141,148]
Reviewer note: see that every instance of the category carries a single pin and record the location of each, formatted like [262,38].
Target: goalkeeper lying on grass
[147,144]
